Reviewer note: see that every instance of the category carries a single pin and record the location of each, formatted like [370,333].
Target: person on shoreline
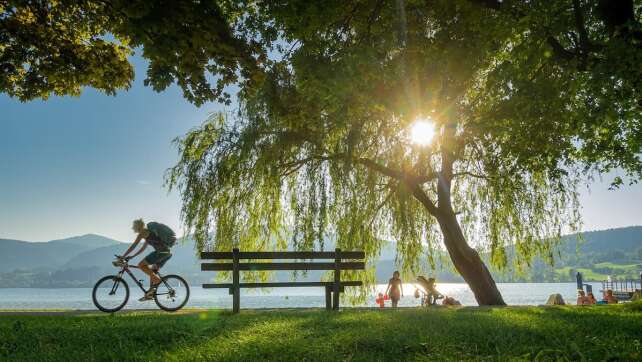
[591,298]
[609,297]
[433,294]
[582,299]
[395,289]
[381,300]
[450,301]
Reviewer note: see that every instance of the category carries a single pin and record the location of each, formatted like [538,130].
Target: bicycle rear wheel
[172,293]
[110,294]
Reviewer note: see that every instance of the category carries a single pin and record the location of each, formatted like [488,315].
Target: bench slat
[217,255]
[282,266]
[350,283]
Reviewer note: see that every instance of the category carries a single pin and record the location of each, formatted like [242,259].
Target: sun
[422,132]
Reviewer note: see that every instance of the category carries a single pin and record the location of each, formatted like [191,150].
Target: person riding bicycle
[161,238]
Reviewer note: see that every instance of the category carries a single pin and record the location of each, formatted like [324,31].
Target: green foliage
[60,47]
[559,333]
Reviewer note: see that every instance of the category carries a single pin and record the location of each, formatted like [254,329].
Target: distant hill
[17,254]
[79,261]
[596,254]
[87,241]
[604,241]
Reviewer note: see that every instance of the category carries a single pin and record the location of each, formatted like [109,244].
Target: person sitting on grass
[582,299]
[161,238]
[448,301]
[591,298]
[432,294]
[395,289]
[609,297]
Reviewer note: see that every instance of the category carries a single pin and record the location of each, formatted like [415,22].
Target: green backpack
[164,233]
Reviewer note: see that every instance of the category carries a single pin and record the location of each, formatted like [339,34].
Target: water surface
[80,298]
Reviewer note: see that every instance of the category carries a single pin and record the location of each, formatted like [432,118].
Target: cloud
[143,182]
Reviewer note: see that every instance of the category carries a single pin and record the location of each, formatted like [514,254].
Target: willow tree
[524,97]
[323,146]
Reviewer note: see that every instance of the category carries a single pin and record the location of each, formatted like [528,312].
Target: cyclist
[161,238]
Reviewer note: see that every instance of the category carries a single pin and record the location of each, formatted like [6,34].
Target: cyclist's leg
[163,257]
[145,266]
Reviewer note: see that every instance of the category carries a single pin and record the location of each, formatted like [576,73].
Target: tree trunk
[467,262]
[466,259]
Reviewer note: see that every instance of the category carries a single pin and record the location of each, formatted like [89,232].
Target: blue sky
[91,164]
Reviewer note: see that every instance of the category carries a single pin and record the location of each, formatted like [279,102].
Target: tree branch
[559,51]
[491,4]
[425,200]
[412,181]
[467,173]
[579,23]
[396,174]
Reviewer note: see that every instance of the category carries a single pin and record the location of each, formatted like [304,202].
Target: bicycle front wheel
[172,293]
[110,294]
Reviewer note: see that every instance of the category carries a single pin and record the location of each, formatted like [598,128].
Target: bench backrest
[236,256]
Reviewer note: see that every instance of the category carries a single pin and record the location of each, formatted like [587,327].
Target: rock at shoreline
[555,299]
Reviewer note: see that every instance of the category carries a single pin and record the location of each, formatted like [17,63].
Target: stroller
[425,289]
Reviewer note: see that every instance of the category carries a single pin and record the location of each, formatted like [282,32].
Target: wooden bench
[332,289]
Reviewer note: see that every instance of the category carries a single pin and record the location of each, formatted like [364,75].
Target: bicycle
[111,293]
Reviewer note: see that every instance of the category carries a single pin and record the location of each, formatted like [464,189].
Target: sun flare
[422,132]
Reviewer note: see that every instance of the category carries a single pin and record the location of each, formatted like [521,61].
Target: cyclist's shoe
[149,295]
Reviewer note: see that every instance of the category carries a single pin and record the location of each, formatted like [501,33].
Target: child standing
[395,290]
[381,300]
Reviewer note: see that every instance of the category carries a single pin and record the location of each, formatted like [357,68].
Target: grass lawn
[589,274]
[627,267]
[512,333]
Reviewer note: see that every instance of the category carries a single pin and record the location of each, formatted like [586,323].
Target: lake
[80,298]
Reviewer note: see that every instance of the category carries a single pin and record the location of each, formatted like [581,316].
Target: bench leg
[328,297]
[337,280]
[236,296]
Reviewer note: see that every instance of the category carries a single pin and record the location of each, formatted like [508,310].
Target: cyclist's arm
[133,246]
[139,251]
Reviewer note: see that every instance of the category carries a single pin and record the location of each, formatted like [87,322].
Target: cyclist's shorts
[158,258]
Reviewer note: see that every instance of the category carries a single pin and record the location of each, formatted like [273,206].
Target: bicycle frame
[126,269]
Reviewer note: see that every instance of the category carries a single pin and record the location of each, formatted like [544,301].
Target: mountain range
[79,261]
[17,254]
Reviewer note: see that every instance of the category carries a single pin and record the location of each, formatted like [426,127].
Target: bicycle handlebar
[120,261]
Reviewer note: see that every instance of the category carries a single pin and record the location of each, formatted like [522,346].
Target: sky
[92,164]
